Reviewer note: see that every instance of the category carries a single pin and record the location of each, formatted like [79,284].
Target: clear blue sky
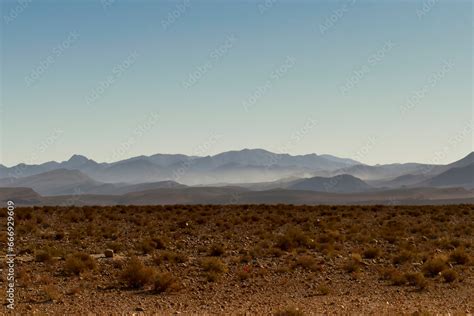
[378,81]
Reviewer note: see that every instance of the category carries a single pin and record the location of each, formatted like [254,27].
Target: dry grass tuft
[78,263]
[293,238]
[449,275]
[434,266]
[164,282]
[213,265]
[371,253]
[459,256]
[136,274]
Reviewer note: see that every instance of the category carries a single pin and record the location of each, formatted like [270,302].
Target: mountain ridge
[249,168]
[160,167]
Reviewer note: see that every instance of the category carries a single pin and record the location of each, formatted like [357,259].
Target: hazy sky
[378,81]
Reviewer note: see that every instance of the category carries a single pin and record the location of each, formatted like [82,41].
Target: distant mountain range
[248,165]
[64,182]
[456,176]
[245,172]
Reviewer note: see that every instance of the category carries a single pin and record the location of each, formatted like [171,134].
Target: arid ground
[243,260]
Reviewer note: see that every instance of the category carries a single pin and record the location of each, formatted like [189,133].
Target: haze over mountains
[247,165]
[255,175]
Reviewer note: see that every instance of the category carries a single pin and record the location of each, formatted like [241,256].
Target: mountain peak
[77,162]
[469,159]
[78,158]
[343,183]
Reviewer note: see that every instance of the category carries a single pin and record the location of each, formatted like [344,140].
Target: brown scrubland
[243,260]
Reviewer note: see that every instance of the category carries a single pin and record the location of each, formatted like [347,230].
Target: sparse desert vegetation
[259,259]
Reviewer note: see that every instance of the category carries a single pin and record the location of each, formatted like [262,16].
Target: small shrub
[51,293]
[164,282]
[449,275]
[323,289]
[356,257]
[416,279]
[136,274]
[115,246]
[43,256]
[459,256]
[145,246]
[433,267]
[74,290]
[352,266]
[354,263]
[385,273]
[79,263]
[212,276]
[275,252]
[397,278]
[149,244]
[371,253]
[169,256]
[243,274]
[403,257]
[159,242]
[213,265]
[216,250]
[58,235]
[293,238]
[245,258]
[307,262]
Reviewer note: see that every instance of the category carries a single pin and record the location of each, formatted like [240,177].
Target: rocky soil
[243,260]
